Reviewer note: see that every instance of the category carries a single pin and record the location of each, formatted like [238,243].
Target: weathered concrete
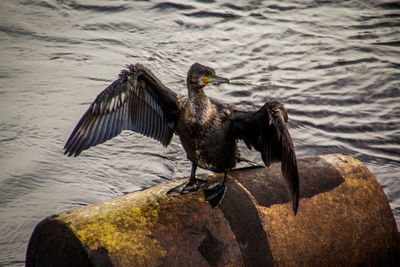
[343,219]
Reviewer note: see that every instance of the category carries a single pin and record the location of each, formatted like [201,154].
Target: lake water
[335,65]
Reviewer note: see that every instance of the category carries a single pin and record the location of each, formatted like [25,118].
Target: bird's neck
[195,89]
[200,109]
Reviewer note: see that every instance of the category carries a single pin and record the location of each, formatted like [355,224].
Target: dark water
[336,66]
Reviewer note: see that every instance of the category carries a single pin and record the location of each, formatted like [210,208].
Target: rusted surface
[243,217]
[187,238]
[343,219]
[349,225]
[268,186]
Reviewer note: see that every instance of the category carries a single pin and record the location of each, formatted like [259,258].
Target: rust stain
[343,220]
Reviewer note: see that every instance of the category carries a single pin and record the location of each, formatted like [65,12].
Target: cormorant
[208,129]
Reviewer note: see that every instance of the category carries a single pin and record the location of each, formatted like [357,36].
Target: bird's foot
[215,193]
[187,187]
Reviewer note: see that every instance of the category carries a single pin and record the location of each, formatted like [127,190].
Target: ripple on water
[96,8]
[163,6]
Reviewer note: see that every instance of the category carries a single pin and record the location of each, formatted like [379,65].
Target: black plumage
[208,129]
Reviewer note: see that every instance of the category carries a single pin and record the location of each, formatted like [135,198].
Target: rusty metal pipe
[343,219]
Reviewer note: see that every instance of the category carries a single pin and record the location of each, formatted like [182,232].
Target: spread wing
[266,131]
[136,101]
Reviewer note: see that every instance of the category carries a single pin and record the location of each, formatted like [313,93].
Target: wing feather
[136,101]
[267,132]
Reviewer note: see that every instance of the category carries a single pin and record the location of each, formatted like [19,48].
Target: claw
[213,193]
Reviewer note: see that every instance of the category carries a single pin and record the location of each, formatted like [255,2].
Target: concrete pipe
[344,219]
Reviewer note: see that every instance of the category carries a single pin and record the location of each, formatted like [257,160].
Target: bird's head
[199,76]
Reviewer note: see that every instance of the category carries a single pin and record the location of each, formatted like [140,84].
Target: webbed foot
[215,193]
[191,186]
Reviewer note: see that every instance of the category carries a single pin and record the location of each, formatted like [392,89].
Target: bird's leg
[192,178]
[216,193]
[192,185]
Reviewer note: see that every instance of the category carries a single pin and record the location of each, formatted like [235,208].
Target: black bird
[208,129]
